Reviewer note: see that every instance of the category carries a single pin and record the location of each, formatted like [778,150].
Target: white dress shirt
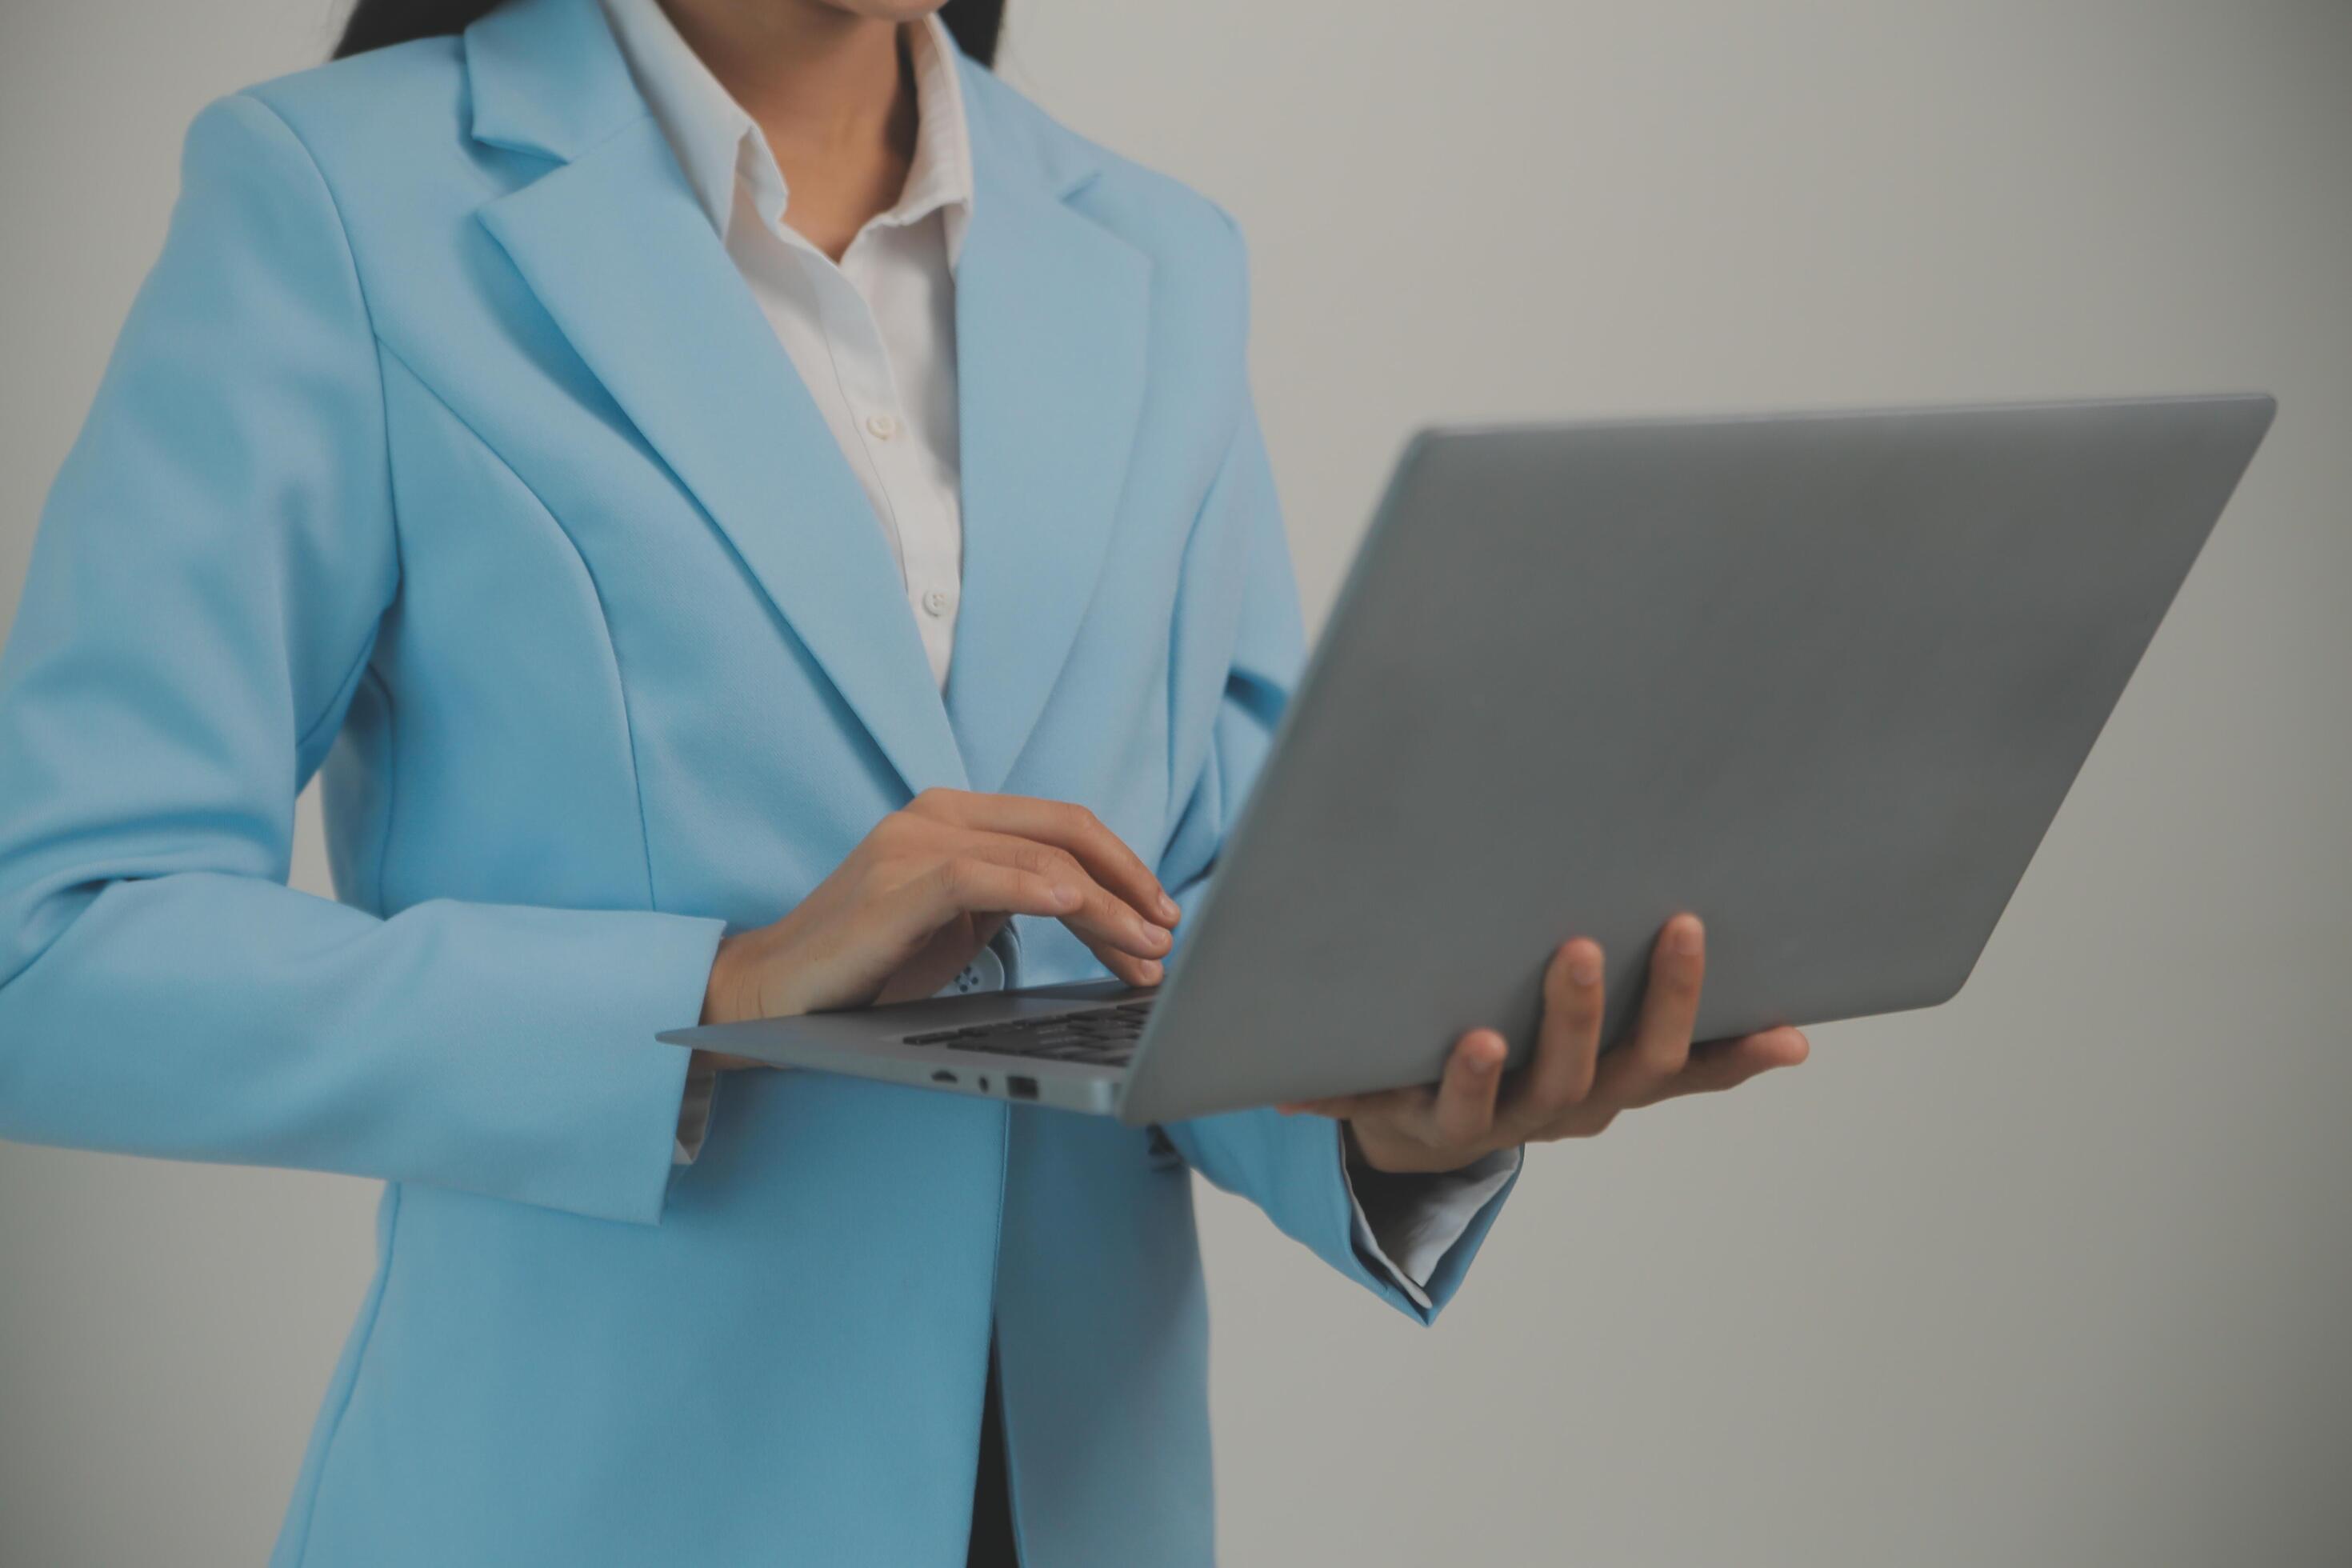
[873,338]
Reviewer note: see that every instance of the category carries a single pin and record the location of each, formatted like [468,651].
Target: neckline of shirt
[720,145]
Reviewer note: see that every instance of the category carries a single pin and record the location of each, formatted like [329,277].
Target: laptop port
[1021,1088]
[943,1075]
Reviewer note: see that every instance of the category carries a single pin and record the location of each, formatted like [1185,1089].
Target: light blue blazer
[445,455]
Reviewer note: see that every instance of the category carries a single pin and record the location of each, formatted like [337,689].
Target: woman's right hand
[924,892]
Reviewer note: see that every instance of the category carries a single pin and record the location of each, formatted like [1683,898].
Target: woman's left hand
[1568,1089]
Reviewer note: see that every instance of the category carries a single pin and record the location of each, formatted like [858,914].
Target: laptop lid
[1822,677]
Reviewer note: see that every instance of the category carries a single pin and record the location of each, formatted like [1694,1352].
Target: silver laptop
[1823,678]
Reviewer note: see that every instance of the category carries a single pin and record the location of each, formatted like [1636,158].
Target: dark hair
[374,24]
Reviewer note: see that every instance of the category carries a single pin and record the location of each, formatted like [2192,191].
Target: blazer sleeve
[1293,1167]
[204,597]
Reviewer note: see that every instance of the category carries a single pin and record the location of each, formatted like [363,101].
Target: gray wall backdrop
[2057,1274]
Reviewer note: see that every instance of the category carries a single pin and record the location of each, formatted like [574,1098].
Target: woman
[746,514]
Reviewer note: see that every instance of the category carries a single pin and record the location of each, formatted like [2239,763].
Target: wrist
[1363,1164]
[726,993]
[1385,1158]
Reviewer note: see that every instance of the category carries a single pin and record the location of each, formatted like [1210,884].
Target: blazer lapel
[627,264]
[1052,312]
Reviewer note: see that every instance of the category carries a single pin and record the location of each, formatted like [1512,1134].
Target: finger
[1130,947]
[966,884]
[1141,973]
[1465,1112]
[1102,917]
[1567,1045]
[1067,827]
[1720,1065]
[1662,1034]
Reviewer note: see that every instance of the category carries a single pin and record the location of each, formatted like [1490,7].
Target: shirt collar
[717,144]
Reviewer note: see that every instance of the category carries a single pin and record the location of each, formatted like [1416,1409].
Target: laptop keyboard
[1100,1036]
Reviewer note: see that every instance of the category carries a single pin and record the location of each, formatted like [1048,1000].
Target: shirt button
[936,601]
[882,426]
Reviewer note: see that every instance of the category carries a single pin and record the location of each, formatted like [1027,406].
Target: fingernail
[1584,969]
[1170,909]
[1689,936]
[1150,970]
[1065,895]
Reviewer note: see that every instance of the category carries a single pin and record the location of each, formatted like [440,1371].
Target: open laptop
[1823,678]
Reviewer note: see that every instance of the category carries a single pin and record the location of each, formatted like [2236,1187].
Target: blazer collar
[1051,311]
[546,77]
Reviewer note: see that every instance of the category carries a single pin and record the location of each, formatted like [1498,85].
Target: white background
[2057,1274]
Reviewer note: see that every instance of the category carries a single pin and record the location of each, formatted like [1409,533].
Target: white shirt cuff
[1408,1223]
